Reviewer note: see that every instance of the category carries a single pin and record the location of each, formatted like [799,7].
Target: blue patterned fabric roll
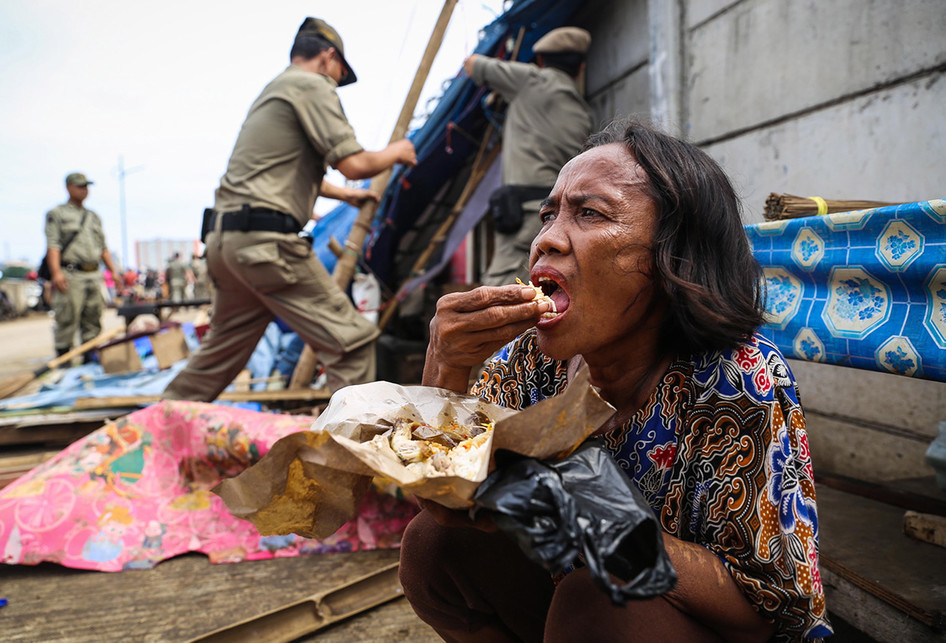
[865,289]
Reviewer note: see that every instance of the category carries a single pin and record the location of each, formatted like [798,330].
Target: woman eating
[655,289]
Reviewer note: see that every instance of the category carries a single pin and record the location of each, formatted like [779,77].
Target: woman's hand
[456,518]
[468,327]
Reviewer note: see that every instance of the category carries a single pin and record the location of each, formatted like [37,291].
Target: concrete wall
[617,82]
[838,98]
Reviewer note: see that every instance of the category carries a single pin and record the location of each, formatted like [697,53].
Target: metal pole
[122,173]
[121,210]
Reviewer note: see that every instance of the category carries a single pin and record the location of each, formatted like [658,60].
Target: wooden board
[185,597]
[296,395]
[51,429]
[862,541]
[14,465]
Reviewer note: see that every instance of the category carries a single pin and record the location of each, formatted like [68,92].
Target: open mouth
[556,294]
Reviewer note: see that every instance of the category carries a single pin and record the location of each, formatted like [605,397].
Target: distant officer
[176,277]
[546,123]
[202,286]
[75,246]
[260,267]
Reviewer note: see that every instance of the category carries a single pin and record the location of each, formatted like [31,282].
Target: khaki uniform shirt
[89,244]
[176,271]
[294,128]
[547,120]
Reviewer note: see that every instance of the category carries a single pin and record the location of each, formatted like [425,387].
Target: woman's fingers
[468,327]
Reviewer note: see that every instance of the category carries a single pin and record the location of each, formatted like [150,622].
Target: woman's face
[593,256]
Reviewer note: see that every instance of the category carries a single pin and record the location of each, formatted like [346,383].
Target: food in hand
[541,296]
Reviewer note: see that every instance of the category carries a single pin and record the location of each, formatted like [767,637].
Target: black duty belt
[256,219]
[81,267]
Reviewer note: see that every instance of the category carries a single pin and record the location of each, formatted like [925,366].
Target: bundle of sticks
[789,206]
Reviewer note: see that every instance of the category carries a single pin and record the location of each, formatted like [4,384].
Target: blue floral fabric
[865,289]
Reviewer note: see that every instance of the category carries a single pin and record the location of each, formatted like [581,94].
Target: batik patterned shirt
[720,452]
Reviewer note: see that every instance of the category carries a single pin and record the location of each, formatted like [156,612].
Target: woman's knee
[420,550]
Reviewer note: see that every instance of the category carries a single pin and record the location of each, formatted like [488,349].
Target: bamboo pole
[345,267]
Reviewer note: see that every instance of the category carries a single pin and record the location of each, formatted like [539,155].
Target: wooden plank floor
[187,596]
[880,580]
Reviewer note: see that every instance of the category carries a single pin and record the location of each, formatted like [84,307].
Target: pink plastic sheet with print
[137,491]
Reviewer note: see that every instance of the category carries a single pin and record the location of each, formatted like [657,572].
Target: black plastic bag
[582,504]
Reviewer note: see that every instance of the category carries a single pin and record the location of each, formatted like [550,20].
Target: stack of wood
[789,206]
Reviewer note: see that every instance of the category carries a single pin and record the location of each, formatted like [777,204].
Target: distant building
[155,253]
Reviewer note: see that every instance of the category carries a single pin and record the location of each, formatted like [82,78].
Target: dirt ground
[27,343]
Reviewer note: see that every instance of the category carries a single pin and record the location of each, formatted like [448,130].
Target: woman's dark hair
[308,46]
[702,260]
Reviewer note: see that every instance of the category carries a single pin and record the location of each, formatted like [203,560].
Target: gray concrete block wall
[885,146]
[842,100]
[762,60]
[628,96]
[617,82]
[620,40]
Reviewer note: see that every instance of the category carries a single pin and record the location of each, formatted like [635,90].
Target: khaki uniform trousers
[511,251]
[176,289]
[79,308]
[258,276]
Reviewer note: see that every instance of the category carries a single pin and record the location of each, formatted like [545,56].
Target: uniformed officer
[176,277]
[202,287]
[259,265]
[75,246]
[546,123]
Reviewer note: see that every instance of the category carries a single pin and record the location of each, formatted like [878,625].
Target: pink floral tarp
[137,491]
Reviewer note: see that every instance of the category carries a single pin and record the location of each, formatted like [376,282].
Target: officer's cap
[78,179]
[320,28]
[563,40]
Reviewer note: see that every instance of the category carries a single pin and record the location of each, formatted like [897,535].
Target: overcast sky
[166,85]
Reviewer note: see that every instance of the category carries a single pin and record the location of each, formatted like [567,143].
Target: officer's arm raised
[365,164]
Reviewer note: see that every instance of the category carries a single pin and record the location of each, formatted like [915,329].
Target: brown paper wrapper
[310,483]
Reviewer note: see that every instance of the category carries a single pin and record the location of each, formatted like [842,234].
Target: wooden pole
[345,267]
